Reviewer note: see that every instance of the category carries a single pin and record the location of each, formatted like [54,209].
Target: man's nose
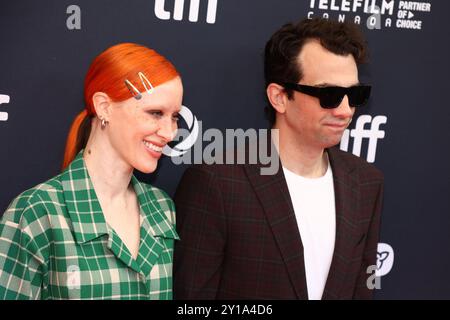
[344,110]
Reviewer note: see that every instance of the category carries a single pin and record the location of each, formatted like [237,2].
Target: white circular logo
[182,147]
[385,259]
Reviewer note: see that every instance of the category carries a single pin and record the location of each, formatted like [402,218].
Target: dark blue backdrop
[43,61]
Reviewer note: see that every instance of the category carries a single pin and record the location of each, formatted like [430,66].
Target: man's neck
[298,157]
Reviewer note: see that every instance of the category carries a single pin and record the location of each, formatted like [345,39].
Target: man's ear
[102,104]
[277,97]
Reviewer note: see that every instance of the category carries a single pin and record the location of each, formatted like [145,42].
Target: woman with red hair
[94,231]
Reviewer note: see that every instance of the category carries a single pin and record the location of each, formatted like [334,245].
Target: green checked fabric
[55,244]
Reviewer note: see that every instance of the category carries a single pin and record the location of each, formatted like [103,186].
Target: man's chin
[328,143]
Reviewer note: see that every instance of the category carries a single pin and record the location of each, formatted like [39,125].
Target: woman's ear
[102,104]
[277,97]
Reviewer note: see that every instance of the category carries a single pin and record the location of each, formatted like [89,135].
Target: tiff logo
[4,99]
[360,133]
[194,9]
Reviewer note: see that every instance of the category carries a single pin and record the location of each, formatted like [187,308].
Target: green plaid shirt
[56,244]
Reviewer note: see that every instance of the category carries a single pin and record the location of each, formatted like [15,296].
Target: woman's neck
[109,172]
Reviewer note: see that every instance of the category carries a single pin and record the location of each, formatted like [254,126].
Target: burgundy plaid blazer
[240,239]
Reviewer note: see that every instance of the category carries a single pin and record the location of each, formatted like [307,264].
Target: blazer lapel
[154,227]
[346,199]
[273,193]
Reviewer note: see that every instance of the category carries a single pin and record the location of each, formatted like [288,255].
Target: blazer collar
[154,217]
[85,211]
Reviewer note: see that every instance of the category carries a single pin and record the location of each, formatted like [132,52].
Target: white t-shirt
[315,211]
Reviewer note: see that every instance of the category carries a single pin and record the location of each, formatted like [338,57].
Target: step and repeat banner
[217,45]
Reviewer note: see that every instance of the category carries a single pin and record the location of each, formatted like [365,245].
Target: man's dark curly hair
[283,48]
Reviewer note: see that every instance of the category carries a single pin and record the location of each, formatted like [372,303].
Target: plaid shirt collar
[85,211]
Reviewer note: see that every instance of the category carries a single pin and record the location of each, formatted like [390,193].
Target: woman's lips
[154,149]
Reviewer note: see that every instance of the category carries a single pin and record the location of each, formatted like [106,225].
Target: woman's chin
[147,167]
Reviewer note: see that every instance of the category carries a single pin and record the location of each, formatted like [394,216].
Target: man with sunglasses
[311,230]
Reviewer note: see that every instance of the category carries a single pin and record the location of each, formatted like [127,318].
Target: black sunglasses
[331,97]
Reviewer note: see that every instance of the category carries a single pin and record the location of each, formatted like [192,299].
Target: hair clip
[136,94]
[145,82]
[143,77]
